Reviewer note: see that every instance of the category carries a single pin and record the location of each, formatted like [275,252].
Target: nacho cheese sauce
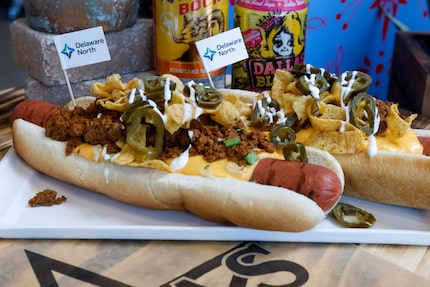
[189,165]
[196,165]
[408,143]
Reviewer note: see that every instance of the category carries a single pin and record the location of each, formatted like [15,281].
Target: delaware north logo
[67,50]
[81,48]
[209,54]
[225,49]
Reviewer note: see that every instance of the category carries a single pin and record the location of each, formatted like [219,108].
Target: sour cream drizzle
[155,107]
[315,91]
[132,95]
[373,148]
[167,92]
[188,113]
[270,112]
[192,91]
[346,87]
[106,173]
[182,160]
[346,90]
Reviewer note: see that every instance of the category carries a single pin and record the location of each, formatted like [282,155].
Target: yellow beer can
[274,34]
[178,24]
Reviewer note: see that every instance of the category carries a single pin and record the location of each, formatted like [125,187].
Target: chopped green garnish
[251,158]
[232,142]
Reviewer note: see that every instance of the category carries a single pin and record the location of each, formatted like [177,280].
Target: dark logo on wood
[239,260]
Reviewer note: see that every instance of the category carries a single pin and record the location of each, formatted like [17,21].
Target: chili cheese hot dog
[206,194]
[382,157]
[390,177]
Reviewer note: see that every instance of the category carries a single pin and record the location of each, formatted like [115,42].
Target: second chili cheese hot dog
[382,157]
[239,202]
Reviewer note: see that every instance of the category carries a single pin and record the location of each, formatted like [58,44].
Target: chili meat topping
[383,108]
[97,125]
[46,197]
[94,125]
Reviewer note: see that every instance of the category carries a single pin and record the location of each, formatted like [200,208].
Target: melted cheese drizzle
[196,165]
[185,164]
[408,143]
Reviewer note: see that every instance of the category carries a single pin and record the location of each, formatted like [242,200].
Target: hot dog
[34,111]
[424,139]
[246,203]
[304,178]
[382,157]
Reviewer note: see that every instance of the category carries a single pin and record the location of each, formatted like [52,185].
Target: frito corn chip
[126,157]
[100,90]
[114,82]
[281,81]
[154,164]
[226,114]
[323,124]
[397,125]
[243,108]
[133,84]
[178,115]
[118,94]
[334,96]
[292,88]
[113,94]
[286,101]
[292,103]
[338,142]
[301,106]
[120,104]
[329,111]
[177,98]
[330,98]
[179,83]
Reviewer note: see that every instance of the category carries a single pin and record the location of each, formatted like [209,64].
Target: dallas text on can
[88,47]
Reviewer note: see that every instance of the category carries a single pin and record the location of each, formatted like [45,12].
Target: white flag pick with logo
[222,50]
[81,48]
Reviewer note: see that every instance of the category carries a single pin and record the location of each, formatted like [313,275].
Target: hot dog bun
[225,200]
[389,177]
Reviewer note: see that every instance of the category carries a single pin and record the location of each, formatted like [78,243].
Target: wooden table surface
[34,262]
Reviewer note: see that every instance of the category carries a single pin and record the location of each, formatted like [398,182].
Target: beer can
[178,24]
[274,34]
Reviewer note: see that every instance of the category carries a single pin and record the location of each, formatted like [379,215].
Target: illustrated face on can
[283,44]
[274,38]
[283,35]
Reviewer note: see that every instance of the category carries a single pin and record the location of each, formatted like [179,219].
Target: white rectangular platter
[88,215]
